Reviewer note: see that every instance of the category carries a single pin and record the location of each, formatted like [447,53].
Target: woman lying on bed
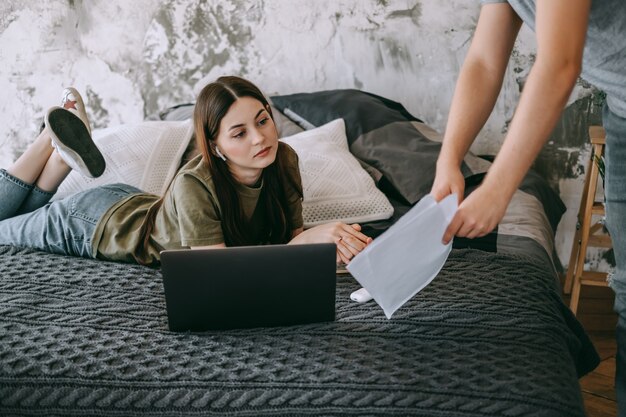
[244,188]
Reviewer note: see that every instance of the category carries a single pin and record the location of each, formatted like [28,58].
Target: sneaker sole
[72,135]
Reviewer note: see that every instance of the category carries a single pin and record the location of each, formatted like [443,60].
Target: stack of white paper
[408,256]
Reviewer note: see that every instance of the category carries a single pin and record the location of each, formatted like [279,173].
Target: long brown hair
[276,226]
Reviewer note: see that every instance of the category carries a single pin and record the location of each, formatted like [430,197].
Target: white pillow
[145,155]
[336,187]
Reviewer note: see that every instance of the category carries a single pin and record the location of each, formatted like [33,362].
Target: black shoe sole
[73,135]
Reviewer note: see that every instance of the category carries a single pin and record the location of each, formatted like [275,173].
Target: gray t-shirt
[604,58]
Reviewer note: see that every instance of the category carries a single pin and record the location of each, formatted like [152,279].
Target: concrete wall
[133,58]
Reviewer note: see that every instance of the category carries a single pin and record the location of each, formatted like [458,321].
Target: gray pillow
[381,134]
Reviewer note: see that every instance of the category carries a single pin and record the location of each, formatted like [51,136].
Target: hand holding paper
[408,256]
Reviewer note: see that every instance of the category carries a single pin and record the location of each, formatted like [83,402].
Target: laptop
[249,286]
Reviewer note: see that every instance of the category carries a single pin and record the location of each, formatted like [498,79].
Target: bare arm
[480,79]
[348,238]
[561,28]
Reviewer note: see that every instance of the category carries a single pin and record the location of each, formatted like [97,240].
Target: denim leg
[64,226]
[13,193]
[36,199]
[615,194]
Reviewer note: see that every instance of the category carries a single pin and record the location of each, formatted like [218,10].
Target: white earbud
[221,155]
[361,296]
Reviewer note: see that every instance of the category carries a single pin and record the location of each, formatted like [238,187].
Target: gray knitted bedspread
[488,337]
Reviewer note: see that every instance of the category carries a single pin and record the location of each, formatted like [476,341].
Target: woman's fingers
[344,259]
[348,238]
[357,227]
[344,253]
[351,231]
[353,245]
[350,247]
[339,258]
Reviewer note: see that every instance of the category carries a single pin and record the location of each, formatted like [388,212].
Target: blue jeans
[29,219]
[615,195]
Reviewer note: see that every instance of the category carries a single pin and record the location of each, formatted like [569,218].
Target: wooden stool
[586,228]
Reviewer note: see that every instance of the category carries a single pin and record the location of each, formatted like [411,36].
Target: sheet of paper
[407,257]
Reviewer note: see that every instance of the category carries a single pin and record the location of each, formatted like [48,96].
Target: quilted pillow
[145,155]
[336,187]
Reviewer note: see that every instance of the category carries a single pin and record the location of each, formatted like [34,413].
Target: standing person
[572,36]
[244,189]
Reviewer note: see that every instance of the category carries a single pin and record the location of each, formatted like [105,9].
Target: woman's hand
[348,238]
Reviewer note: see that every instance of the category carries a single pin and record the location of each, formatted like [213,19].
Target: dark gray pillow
[177,113]
[381,133]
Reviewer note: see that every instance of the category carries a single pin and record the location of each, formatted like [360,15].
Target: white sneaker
[72,101]
[72,139]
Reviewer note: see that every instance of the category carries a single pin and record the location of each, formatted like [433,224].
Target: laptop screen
[250,286]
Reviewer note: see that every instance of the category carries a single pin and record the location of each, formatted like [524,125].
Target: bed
[489,336]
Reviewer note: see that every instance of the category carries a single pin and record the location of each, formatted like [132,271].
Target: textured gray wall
[133,58]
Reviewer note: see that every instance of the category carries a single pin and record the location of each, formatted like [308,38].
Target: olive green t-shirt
[189,216]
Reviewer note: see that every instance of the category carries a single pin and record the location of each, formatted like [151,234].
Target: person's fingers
[473,226]
[473,230]
[348,228]
[439,193]
[452,229]
[480,230]
[353,252]
[351,231]
[357,227]
[466,228]
[477,229]
[354,245]
[344,250]
[474,234]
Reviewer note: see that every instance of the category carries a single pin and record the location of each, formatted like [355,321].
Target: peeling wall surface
[132,59]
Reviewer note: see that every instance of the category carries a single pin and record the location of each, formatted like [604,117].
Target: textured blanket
[488,337]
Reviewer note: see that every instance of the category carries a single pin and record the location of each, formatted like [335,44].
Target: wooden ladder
[589,232]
